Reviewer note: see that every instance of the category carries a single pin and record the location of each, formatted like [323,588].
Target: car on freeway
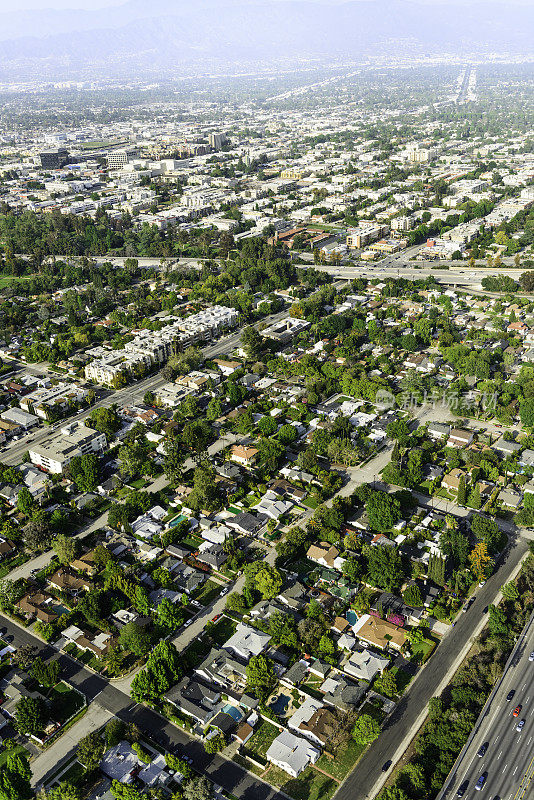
[9,639]
[481,781]
[531,656]
[462,789]
[517,710]
[186,624]
[387,765]
[510,695]
[486,609]
[520,725]
[482,749]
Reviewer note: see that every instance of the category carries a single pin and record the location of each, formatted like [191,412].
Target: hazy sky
[7,5]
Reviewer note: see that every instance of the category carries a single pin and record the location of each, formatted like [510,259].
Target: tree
[25,501]
[114,731]
[10,592]
[64,791]
[526,412]
[23,656]
[90,750]
[366,730]
[178,765]
[215,744]
[412,596]
[287,434]
[265,578]
[31,715]
[169,615]
[37,533]
[124,791]
[173,460]
[462,492]
[47,674]
[510,591]
[84,471]
[252,343]
[198,789]
[15,777]
[474,500]
[384,568]
[383,511]
[481,561]
[105,420]
[135,638]
[386,684]
[487,531]
[65,548]
[261,675]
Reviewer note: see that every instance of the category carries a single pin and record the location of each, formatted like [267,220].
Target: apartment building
[155,347]
[75,439]
[364,234]
[44,401]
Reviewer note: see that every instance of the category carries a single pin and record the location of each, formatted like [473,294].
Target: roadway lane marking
[503,769]
[500,754]
[529,741]
[515,770]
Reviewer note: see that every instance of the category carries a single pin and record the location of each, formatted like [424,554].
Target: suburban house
[99,644]
[313,721]
[220,668]
[194,699]
[244,455]
[365,665]
[37,605]
[247,642]
[326,555]
[292,753]
[379,633]
[458,437]
[65,581]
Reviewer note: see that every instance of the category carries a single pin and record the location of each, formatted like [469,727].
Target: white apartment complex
[75,439]
[155,347]
[43,401]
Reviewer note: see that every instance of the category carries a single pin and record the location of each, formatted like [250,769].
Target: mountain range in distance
[175,37]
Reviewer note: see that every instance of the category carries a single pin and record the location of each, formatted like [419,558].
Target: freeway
[367,778]
[218,769]
[508,761]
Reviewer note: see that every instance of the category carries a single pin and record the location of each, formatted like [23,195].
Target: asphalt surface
[221,771]
[508,762]
[367,777]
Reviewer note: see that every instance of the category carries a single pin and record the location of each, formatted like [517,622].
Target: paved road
[366,780]
[508,761]
[220,770]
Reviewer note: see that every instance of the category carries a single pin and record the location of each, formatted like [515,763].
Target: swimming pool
[352,617]
[280,704]
[233,712]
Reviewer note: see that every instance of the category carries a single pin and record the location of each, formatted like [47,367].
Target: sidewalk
[48,762]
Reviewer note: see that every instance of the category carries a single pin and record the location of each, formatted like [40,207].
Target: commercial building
[72,440]
[53,159]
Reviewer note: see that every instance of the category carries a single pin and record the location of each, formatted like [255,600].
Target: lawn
[248,765]
[264,736]
[66,701]
[222,630]
[310,785]
[343,762]
[196,653]
[402,679]
[422,652]
[208,592]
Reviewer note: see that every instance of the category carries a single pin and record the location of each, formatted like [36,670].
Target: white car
[531,656]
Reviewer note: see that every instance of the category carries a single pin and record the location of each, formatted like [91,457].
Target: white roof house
[247,642]
[292,753]
[365,664]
